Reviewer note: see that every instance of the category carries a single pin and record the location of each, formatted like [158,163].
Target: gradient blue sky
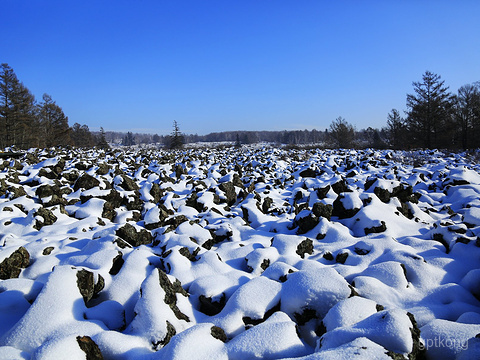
[220,65]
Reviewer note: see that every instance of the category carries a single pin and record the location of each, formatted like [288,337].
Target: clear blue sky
[219,65]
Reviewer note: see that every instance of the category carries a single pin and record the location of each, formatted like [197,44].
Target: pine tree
[396,129]
[176,138]
[17,110]
[81,136]
[238,143]
[342,133]
[128,140]
[53,124]
[429,112]
[102,141]
[467,115]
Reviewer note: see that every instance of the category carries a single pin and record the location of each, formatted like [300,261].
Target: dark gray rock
[11,267]
[340,211]
[376,229]
[341,258]
[48,218]
[128,184]
[47,190]
[218,333]
[229,190]
[85,182]
[322,210]
[117,264]
[171,291]
[308,173]
[305,247]
[210,307]
[135,238]
[305,223]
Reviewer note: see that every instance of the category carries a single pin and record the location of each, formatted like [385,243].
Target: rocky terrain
[251,253]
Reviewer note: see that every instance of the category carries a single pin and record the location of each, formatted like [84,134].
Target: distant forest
[435,118]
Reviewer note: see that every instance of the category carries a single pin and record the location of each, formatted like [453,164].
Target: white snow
[259,277]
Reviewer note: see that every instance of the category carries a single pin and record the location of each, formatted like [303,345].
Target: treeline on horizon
[26,123]
[435,118]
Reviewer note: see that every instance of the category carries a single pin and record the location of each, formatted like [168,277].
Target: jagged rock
[382,194]
[171,291]
[190,256]
[81,166]
[117,264]
[405,210]
[171,332]
[376,229]
[253,321]
[70,176]
[340,211]
[133,202]
[229,190]
[439,237]
[308,173]
[369,182]
[304,317]
[85,182]
[305,247]
[328,256]
[192,201]
[305,221]
[108,211]
[175,221]
[322,210]
[114,198]
[86,284]
[340,187]
[103,169]
[405,193]
[135,238]
[48,218]
[55,200]
[218,333]
[128,184]
[210,307]
[89,347]
[16,192]
[157,193]
[267,203]
[341,258]
[47,190]
[11,267]
[237,181]
[48,173]
[179,171]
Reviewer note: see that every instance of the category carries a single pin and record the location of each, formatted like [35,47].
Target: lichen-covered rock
[87,286]
[12,266]
[346,205]
[48,218]
[171,291]
[229,190]
[322,210]
[85,182]
[88,346]
[305,221]
[305,247]
[376,229]
[135,238]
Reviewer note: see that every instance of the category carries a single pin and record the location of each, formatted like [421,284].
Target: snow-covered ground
[252,253]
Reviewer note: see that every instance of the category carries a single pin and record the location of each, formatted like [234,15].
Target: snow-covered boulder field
[239,254]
